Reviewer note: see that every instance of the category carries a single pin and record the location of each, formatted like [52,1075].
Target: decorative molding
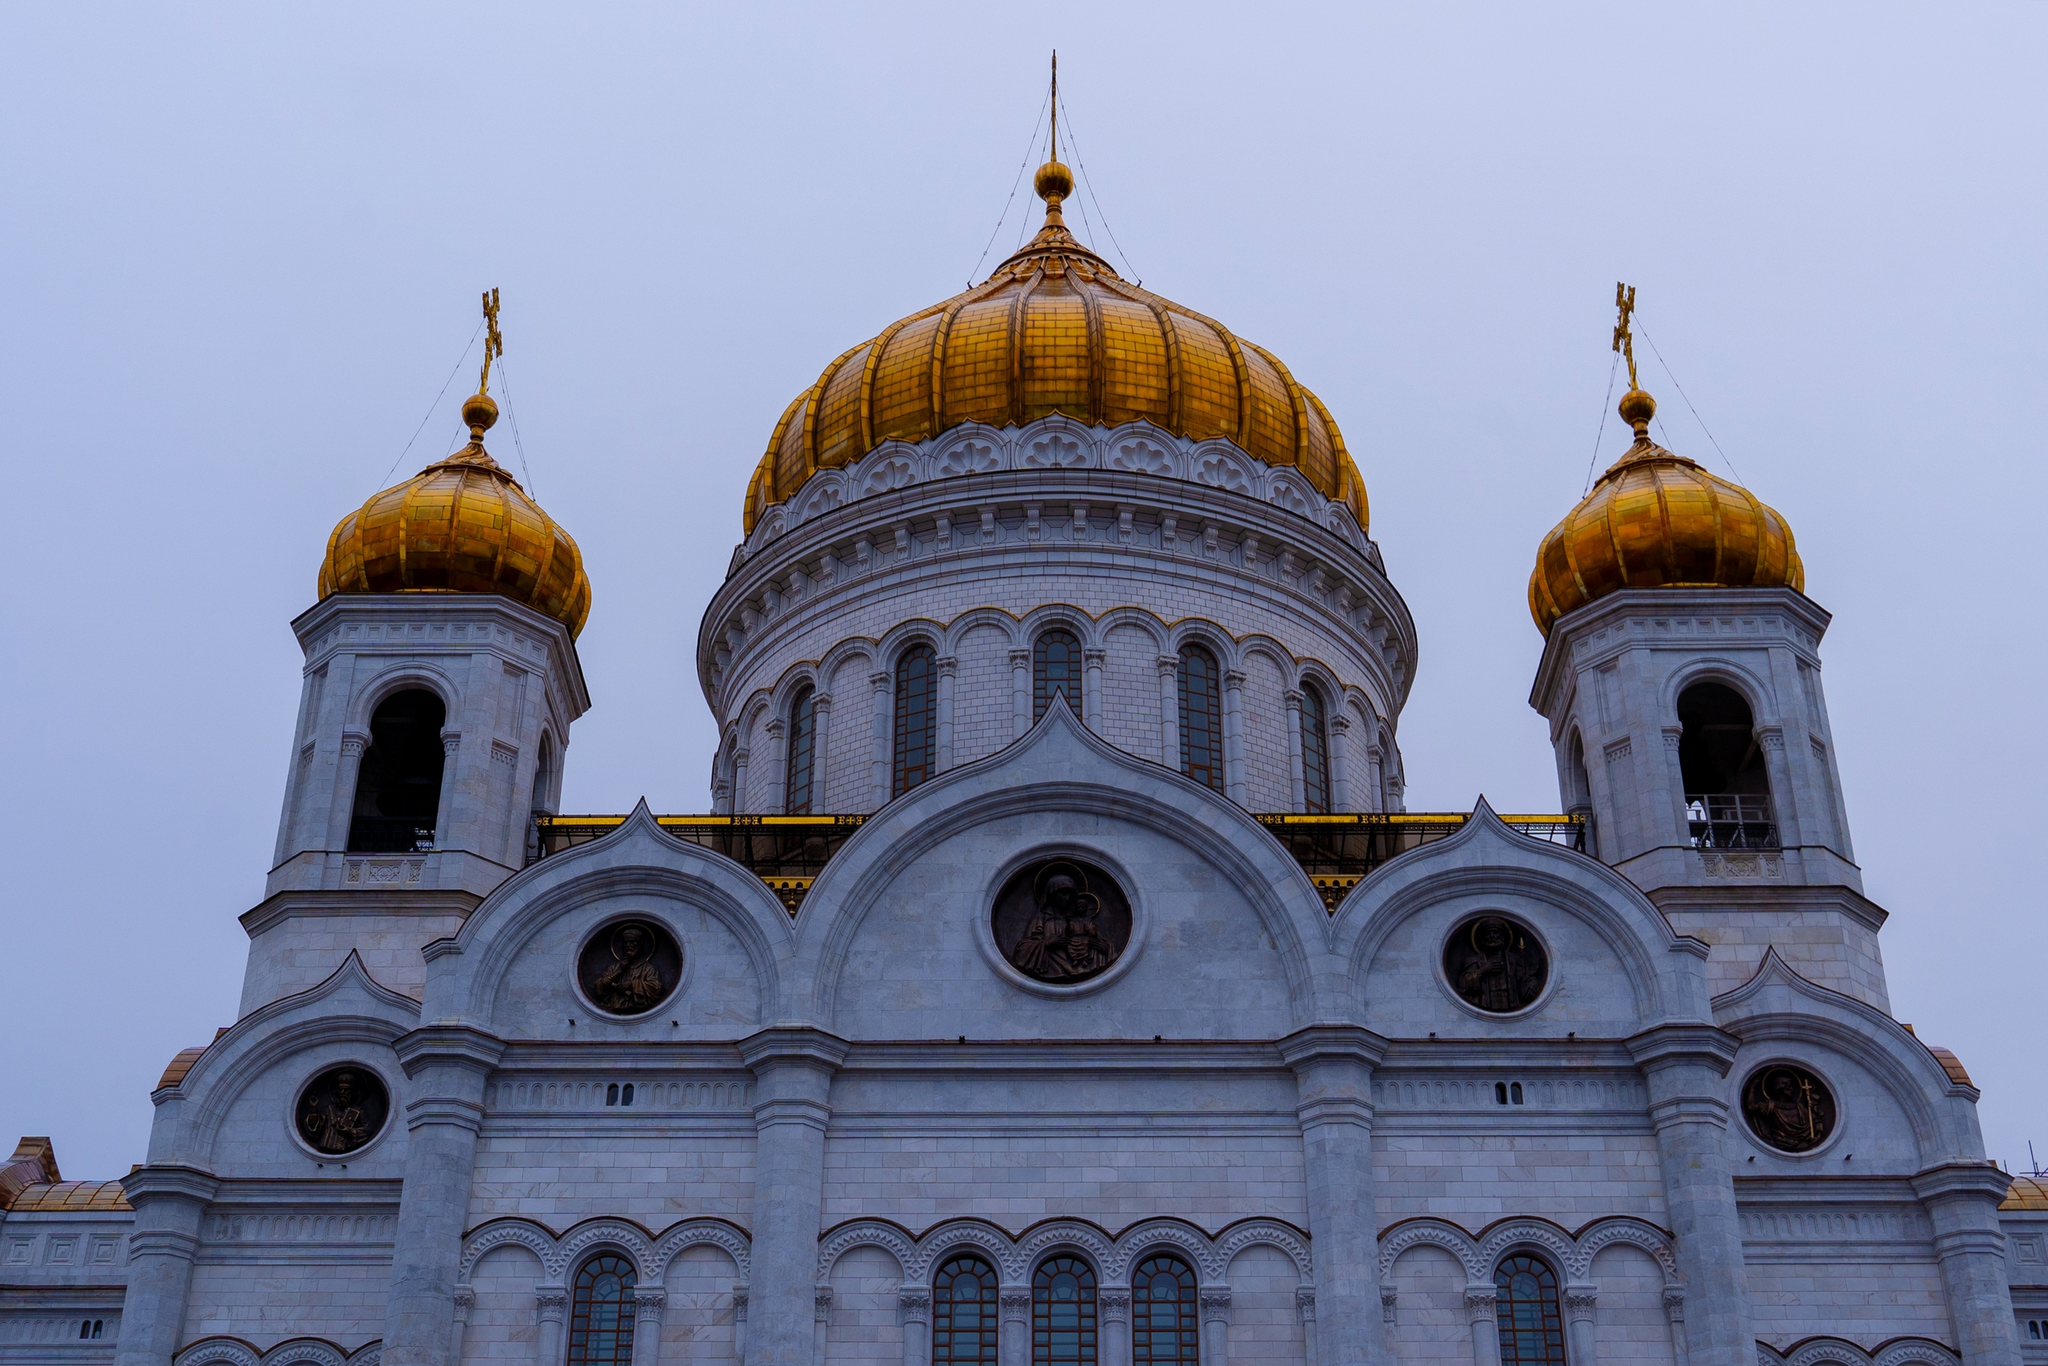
[1573,1254]
[1726,867]
[650,1254]
[1113,1256]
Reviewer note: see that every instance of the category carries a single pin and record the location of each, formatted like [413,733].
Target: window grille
[917,706]
[1201,717]
[1315,752]
[1063,1313]
[965,1326]
[1055,668]
[601,1314]
[803,729]
[1166,1328]
[1525,1299]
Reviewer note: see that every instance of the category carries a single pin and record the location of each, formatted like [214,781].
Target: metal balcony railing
[1727,820]
[788,852]
[389,835]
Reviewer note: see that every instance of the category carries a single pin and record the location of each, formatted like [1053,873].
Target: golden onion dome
[1657,520]
[1054,330]
[461,525]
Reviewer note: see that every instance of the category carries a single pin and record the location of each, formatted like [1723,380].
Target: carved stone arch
[1264,1233]
[1335,693]
[1623,1231]
[903,635]
[1287,490]
[372,688]
[772,524]
[508,1232]
[958,628]
[1065,1235]
[1057,442]
[888,467]
[369,1354]
[1827,1351]
[747,728]
[699,1233]
[1141,448]
[822,492]
[1414,1233]
[853,647]
[867,1233]
[970,448]
[1528,1235]
[962,1235]
[1914,1352]
[305,1352]
[220,1351]
[1339,519]
[1210,636]
[1139,1241]
[1221,464]
[629,1240]
[1752,687]
[1039,620]
[1138,618]
[794,677]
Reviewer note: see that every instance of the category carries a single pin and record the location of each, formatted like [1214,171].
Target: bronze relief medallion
[1788,1107]
[342,1109]
[1062,921]
[1496,964]
[629,967]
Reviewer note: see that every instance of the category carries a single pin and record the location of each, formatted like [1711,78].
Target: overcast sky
[240,251]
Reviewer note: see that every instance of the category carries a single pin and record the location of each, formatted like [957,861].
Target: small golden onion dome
[1657,520]
[1054,330]
[461,525]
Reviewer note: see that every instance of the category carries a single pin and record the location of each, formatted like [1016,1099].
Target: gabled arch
[958,628]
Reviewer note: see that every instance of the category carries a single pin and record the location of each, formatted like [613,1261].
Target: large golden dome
[1054,330]
[461,525]
[1657,520]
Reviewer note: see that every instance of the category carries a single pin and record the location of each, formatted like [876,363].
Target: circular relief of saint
[1788,1107]
[342,1109]
[1062,921]
[629,967]
[1496,964]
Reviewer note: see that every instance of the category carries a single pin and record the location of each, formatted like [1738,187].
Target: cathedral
[1058,977]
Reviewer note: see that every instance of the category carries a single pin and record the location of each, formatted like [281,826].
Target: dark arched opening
[1201,717]
[803,732]
[398,786]
[1055,668]
[1315,751]
[1165,1327]
[965,1329]
[1525,1301]
[917,719]
[601,1313]
[1721,761]
[1063,1313]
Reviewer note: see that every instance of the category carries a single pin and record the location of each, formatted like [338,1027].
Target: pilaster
[793,1067]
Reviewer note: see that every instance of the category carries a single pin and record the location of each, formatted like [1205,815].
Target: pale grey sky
[242,248]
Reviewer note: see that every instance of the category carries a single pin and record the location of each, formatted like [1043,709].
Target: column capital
[1389,1296]
[1215,1304]
[1333,1042]
[740,1296]
[821,701]
[799,1044]
[1481,1303]
[879,680]
[914,1304]
[463,1046]
[1292,697]
[1113,1304]
[1305,1302]
[1020,659]
[551,1303]
[948,665]
[649,1303]
[775,727]
[1016,1304]
[821,1301]
[464,1297]
[1233,679]
[1094,654]
[1676,1045]
[169,1181]
[1580,1302]
[1969,1180]
[1168,664]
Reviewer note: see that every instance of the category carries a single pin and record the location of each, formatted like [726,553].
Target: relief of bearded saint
[632,984]
[1503,973]
[334,1122]
[1063,942]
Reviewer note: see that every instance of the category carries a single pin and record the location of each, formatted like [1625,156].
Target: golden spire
[478,410]
[1637,407]
[1054,182]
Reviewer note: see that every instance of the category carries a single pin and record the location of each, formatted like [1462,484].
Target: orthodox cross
[1624,341]
[1054,153]
[494,341]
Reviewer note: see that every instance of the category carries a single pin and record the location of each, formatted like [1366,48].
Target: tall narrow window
[1315,751]
[917,718]
[1727,786]
[1055,668]
[601,1313]
[1525,1299]
[1201,717]
[1165,1329]
[803,727]
[398,786]
[544,775]
[965,1328]
[1063,1313]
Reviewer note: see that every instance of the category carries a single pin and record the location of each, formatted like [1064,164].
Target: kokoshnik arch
[1058,978]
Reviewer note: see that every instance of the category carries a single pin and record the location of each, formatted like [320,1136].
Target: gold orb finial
[1054,182]
[1637,408]
[479,411]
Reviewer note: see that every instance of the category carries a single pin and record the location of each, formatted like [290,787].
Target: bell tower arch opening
[1721,762]
[398,787]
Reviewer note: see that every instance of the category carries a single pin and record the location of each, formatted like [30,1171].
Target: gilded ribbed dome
[461,525]
[1657,520]
[1054,330]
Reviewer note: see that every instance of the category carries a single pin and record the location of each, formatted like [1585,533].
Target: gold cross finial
[1624,341]
[494,341]
[1054,153]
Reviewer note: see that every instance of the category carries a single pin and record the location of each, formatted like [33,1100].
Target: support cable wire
[1688,402]
[505,386]
[435,406]
[1021,166]
[1594,459]
[1024,219]
[1081,165]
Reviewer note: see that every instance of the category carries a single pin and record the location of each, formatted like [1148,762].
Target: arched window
[1165,1327]
[1525,1299]
[398,783]
[1055,668]
[917,718]
[803,730]
[1727,787]
[1063,1313]
[1315,751]
[601,1313]
[1201,717]
[965,1327]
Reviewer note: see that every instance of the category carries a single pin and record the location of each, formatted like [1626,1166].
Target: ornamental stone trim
[1112,1255]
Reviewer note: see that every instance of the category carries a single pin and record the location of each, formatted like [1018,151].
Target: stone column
[342,813]
[1482,1312]
[914,1312]
[551,1315]
[649,1303]
[739,1324]
[778,767]
[1233,735]
[1674,1315]
[1580,1321]
[1013,1347]
[447,1065]
[1113,1325]
[1305,1309]
[1684,1067]
[821,1315]
[948,665]
[881,696]
[1333,1067]
[1340,762]
[821,716]
[1961,1199]
[170,1206]
[1377,798]
[465,1300]
[1169,711]
[1092,662]
[742,797]
[1216,1325]
[449,812]
[1785,793]
[1297,777]
[793,1067]
[1020,691]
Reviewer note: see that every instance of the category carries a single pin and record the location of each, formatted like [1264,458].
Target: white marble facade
[1293,1101]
